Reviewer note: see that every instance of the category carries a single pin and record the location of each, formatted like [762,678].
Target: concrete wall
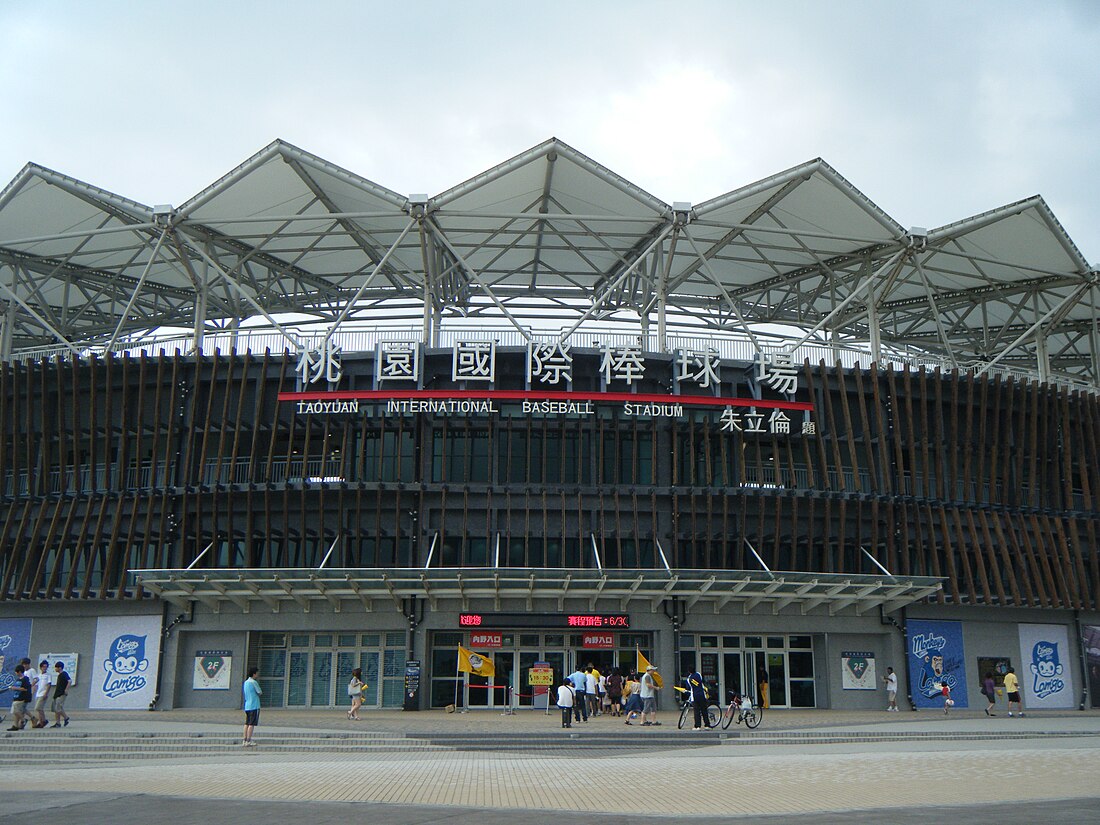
[70,626]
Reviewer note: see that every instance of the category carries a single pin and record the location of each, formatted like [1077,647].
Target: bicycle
[743,709]
[711,718]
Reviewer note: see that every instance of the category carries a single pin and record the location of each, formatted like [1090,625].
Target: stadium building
[304,422]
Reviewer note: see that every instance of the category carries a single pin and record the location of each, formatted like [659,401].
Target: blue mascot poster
[124,666]
[15,644]
[1046,677]
[936,655]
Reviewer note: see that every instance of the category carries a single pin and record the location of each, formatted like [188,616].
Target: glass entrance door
[491,691]
[732,676]
[769,673]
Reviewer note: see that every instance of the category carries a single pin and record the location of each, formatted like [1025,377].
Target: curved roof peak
[592,180]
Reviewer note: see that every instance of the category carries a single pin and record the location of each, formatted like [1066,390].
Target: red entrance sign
[478,640]
[602,640]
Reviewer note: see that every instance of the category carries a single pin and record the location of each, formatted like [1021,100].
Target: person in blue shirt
[580,706]
[251,691]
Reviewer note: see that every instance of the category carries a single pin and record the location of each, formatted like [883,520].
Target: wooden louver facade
[114,464]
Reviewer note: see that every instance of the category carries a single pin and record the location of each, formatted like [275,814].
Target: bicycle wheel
[713,716]
[753,716]
[684,715]
[728,715]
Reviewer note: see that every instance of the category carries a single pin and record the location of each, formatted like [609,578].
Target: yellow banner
[643,663]
[475,663]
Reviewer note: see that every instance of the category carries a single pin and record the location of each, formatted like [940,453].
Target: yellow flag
[643,663]
[475,663]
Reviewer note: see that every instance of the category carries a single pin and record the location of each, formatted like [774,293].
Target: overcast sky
[935,111]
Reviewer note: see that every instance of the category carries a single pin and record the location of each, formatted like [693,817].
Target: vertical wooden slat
[849,430]
[980,560]
[948,548]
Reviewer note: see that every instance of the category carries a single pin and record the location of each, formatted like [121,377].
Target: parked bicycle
[712,718]
[742,709]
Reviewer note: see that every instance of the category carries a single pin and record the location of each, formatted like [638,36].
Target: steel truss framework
[548,240]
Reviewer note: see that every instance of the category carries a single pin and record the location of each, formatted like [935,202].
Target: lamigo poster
[1046,677]
[125,663]
[936,656]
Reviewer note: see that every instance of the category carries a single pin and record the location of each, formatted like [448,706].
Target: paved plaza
[798,762]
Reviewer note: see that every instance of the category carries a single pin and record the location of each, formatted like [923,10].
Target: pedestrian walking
[891,680]
[649,698]
[632,692]
[565,702]
[592,690]
[948,702]
[252,693]
[42,685]
[989,690]
[61,680]
[1012,690]
[355,691]
[22,695]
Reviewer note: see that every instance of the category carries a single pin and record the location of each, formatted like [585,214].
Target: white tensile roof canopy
[549,240]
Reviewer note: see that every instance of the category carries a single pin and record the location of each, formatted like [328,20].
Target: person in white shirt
[592,690]
[42,685]
[565,702]
[891,680]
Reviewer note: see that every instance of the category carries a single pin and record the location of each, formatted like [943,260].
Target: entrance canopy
[459,589]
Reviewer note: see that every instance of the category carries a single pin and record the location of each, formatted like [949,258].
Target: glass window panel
[444,692]
[298,681]
[477,552]
[802,693]
[273,692]
[394,663]
[369,663]
[321,691]
[393,693]
[345,664]
[444,661]
[272,664]
[801,665]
